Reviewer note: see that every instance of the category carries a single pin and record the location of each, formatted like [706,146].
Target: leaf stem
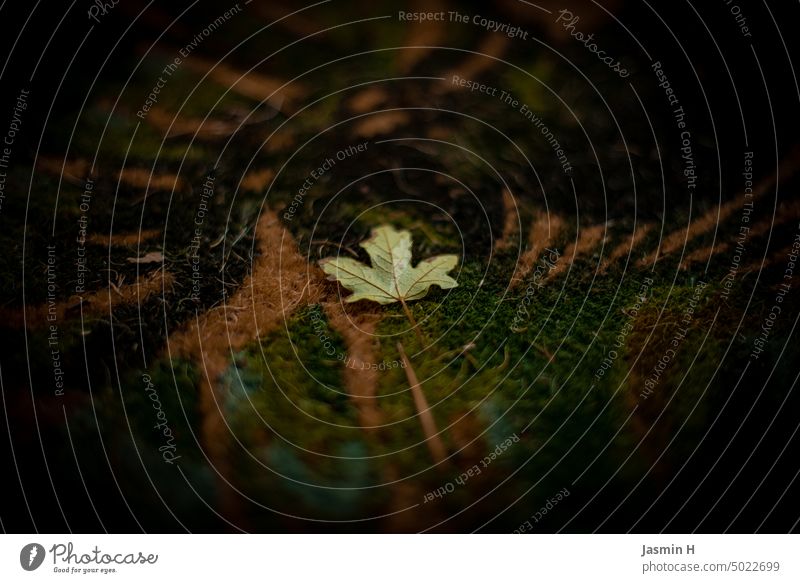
[414,324]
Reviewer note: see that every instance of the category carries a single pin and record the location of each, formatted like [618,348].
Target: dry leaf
[391,277]
[152,257]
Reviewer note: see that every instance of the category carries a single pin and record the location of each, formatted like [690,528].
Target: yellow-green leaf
[391,278]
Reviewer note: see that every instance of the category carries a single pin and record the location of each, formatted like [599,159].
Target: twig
[435,444]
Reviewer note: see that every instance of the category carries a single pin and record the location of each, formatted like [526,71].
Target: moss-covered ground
[500,356]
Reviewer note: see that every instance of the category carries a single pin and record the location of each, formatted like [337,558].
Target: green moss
[292,414]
